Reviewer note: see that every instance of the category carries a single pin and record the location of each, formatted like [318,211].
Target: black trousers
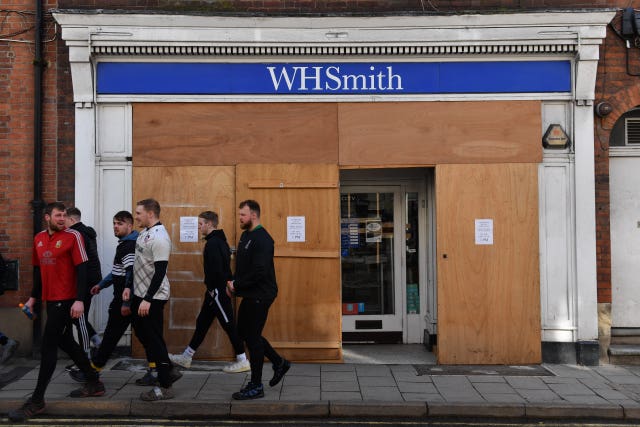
[58,333]
[252,316]
[85,329]
[116,327]
[217,306]
[149,331]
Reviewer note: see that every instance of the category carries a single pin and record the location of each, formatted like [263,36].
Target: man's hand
[77,309]
[143,310]
[95,290]
[126,294]
[30,303]
[230,288]
[125,310]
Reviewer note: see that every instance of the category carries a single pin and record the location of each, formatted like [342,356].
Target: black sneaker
[279,372]
[71,367]
[26,411]
[90,389]
[149,379]
[251,391]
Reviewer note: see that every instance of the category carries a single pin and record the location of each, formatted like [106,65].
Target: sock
[189,352]
[96,340]
[241,357]
[97,369]
[152,365]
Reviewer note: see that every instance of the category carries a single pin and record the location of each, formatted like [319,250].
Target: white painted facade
[568,281]
[624,183]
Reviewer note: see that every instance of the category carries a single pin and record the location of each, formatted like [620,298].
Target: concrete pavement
[347,391]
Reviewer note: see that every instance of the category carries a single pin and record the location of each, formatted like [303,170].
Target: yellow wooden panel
[430,133]
[488,295]
[188,191]
[308,307]
[185,134]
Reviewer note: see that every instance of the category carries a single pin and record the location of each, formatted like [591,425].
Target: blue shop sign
[348,78]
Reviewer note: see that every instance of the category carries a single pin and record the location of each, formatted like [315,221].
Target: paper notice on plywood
[484,232]
[188,229]
[295,229]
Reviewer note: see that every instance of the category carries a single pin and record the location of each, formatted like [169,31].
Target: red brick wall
[16,136]
[622,90]
[16,102]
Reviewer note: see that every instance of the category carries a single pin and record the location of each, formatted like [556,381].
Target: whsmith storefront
[427,179]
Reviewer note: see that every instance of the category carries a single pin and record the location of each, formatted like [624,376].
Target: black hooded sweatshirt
[255,272]
[217,257]
[94,273]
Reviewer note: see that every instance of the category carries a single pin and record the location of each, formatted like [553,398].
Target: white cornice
[185,30]
[94,35]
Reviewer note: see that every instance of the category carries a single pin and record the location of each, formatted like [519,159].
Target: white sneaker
[236,367]
[181,359]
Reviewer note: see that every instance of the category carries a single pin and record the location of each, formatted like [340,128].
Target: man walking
[216,304]
[255,282]
[121,277]
[151,293]
[61,260]
[86,331]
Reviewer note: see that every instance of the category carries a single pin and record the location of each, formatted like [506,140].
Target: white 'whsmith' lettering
[322,78]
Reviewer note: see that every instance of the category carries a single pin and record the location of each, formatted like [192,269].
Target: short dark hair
[54,205]
[210,216]
[75,213]
[253,206]
[150,205]
[124,216]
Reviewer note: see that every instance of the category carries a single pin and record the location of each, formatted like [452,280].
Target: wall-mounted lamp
[603,108]
[555,137]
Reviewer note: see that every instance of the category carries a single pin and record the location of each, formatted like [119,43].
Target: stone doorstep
[624,350]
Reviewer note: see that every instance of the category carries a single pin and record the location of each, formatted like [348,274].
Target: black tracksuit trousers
[149,331]
[252,316]
[217,306]
[116,327]
[58,333]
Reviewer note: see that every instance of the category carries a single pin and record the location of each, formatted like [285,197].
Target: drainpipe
[37,204]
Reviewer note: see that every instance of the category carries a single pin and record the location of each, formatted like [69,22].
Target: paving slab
[340,395]
[407,387]
[383,394]
[339,386]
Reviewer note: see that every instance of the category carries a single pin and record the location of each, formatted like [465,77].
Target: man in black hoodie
[255,282]
[216,304]
[86,332]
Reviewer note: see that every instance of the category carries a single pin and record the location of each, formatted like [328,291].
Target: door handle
[444,255]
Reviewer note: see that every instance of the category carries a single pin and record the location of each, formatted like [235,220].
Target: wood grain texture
[186,134]
[188,191]
[488,295]
[306,317]
[431,133]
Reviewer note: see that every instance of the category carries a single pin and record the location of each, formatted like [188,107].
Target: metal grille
[632,131]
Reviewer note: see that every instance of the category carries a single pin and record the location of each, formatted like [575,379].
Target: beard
[246,226]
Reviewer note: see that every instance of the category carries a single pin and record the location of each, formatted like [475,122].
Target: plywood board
[488,295]
[188,191]
[306,317]
[431,133]
[185,134]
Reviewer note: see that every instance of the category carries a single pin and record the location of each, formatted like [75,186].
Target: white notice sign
[484,232]
[188,229]
[295,229]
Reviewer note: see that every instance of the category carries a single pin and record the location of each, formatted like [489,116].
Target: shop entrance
[383,261]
